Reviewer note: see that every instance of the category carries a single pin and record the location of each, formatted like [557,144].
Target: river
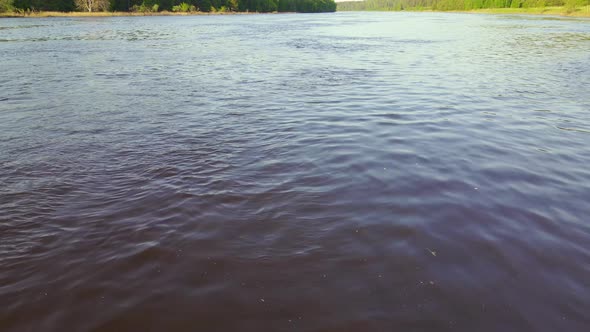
[296,172]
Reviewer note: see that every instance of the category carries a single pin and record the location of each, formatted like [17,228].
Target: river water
[297,172]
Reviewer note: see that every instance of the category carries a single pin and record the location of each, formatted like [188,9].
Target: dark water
[331,172]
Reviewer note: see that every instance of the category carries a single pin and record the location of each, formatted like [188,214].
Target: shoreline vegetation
[553,10]
[81,8]
[124,14]
[561,11]
[575,8]
[114,8]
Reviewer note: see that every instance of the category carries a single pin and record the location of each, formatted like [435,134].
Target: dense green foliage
[55,5]
[6,5]
[394,5]
[306,6]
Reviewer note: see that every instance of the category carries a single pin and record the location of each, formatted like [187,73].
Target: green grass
[583,11]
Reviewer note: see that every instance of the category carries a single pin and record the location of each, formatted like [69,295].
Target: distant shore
[123,14]
[560,11]
[555,10]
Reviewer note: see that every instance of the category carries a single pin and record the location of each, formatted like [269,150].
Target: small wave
[573,129]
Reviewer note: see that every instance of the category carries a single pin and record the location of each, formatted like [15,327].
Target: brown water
[330,172]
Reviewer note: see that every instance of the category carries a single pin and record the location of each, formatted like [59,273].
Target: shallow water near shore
[324,172]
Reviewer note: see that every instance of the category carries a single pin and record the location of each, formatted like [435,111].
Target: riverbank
[558,10]
[117,14]
[555,10]
[561,11]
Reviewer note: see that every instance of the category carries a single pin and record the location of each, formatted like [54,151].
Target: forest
[262,6]
[443,5]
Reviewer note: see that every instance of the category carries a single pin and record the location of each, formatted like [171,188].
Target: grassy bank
[563,11]
[577,8]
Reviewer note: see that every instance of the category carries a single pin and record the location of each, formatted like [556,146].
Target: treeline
[397,5]
[262,6]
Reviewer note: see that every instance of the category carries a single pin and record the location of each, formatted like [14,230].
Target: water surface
[326,172]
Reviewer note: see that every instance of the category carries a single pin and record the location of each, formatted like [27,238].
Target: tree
[50,5]
[92,5]
[6,5]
